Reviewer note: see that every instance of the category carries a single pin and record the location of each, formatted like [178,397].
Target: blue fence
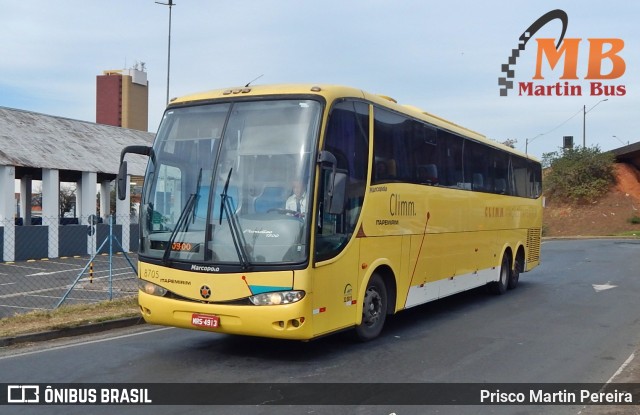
[66,238]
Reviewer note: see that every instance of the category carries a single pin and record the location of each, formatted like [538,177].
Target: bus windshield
[228,183]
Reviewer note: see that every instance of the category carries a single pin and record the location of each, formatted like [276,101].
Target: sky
[443,57]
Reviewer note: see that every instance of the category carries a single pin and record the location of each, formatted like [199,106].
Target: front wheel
[374,309]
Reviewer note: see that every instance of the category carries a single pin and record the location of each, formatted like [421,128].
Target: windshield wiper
[223,196]
[234,225]
[183,219]
[197,194]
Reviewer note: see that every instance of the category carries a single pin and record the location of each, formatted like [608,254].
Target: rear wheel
[500,287]
[514,276]
[374,309]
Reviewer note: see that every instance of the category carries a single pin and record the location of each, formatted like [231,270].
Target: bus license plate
[204,320]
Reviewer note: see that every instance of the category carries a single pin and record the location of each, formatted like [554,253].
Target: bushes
[578,175]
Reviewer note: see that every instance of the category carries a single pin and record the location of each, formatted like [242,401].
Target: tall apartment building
[122,99]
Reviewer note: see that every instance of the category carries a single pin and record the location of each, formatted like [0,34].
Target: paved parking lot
[41,284]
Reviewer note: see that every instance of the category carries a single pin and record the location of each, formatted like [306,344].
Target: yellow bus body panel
[455,238]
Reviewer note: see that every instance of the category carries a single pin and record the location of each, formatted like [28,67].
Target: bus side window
[477,165]
[451,159]
[500,186]
[427,174]
[478,181]
[536,179]
[520,176]
[381,171]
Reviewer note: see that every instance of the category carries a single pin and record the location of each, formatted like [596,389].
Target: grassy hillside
[612,214]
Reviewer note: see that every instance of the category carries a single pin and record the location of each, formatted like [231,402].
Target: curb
[582,237]
[70,331]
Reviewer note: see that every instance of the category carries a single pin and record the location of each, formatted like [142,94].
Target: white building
[54,149]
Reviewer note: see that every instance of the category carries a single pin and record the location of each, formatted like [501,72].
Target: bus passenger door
[336,256]
[334,291]
[345,154]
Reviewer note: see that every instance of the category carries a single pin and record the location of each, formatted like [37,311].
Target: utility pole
[584,126]
[170,4]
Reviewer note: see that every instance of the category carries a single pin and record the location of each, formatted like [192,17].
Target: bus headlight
[151,288]
[276,298]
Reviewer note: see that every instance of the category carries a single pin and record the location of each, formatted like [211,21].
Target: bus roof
[331,92]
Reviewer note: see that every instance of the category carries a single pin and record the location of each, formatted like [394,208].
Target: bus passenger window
[500,186]
[478,181]
[381,171]
[428,174]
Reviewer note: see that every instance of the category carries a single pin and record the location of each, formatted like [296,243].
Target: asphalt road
[576,318]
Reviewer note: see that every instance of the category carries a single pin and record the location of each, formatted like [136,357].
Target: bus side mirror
[122,181]
[122,172]
[335,195]
[335,187]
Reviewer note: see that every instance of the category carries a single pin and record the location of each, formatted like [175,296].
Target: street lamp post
[170,3]
[622,142]
[584,121]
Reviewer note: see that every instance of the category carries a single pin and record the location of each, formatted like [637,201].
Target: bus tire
[514,276]
[374,309]
[500,287]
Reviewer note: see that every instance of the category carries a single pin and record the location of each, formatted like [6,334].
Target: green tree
[511,142]
[578,175]
[67,199]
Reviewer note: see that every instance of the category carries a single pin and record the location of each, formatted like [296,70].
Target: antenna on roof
[249,83]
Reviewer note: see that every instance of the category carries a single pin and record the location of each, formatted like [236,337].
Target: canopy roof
[31,142]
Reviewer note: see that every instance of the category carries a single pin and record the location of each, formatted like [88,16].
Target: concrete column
[87,195]
[87,198]
[123,215]
[105,200]
[8,211]
[25,199]
[51,207]
[78,211]
[23,196]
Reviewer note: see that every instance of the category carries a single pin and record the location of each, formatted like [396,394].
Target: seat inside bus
[272,197]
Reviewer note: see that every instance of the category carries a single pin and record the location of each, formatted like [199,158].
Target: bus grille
[533,245]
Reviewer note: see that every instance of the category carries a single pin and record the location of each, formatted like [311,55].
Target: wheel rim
[372,307]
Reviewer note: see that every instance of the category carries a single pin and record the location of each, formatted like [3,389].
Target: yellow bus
[294,211]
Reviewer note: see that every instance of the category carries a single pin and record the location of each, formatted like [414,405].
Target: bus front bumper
[288,321]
